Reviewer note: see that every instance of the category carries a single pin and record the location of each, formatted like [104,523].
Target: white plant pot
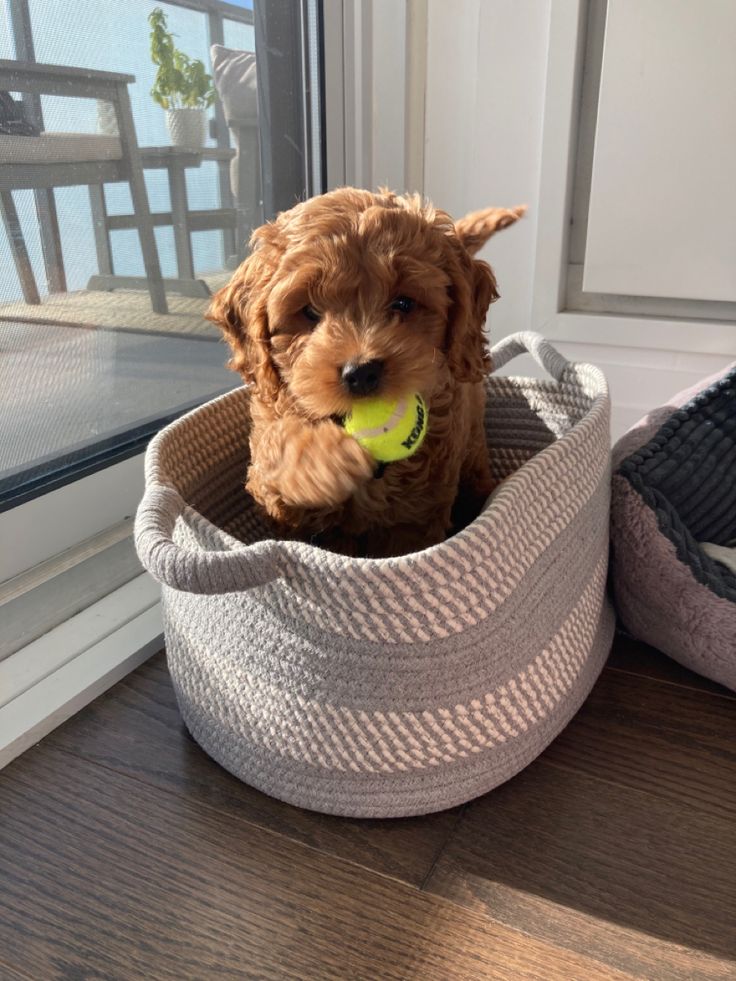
[187,127]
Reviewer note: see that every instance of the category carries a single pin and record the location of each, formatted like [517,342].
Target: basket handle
[528,342]
[187,570]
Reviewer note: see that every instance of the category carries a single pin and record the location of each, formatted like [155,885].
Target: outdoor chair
[52,160]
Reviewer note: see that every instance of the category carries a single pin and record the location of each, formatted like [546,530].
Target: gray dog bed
[673,512]
[388,687]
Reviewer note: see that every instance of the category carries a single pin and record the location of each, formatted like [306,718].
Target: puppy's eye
[312,315]
[403,304]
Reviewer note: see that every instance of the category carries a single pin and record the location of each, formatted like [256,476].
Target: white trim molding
[415,109]
[684,336]
[40,529]
[559,133]
[375,79]
[46,682]
[334,91]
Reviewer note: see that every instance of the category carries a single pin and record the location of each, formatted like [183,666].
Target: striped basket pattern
[389,687]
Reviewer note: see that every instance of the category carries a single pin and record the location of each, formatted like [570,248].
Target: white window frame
[375,64]
[375,74]
[559,137]
[39,529]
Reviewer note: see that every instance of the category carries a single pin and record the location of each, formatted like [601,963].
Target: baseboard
[44,684]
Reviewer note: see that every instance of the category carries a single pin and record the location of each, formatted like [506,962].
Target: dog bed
[388,687]
[673,512]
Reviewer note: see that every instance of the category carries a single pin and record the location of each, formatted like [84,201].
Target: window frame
[551,315]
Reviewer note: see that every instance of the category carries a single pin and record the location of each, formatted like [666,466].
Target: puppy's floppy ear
[476,228]
[239,310]
[473,289]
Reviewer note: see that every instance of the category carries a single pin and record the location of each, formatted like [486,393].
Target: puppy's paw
[324,467]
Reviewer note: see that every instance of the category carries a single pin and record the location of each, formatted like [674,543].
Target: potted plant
[182,86]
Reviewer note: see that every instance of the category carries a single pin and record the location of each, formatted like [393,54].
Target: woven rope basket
[389,687]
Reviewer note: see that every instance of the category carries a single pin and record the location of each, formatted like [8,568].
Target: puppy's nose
[362,378]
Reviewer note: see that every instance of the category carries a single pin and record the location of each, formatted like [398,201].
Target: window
[126,202]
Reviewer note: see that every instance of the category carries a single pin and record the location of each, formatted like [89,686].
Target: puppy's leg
[297,465]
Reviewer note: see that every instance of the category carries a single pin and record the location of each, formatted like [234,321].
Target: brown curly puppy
[353,294]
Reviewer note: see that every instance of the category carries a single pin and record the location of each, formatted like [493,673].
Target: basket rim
[272,553]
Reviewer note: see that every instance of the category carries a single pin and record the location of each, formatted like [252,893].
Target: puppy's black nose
[362,378]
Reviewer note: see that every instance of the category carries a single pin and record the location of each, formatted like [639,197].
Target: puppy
[353,294]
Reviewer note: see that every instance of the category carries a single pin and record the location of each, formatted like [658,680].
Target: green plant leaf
[179,79]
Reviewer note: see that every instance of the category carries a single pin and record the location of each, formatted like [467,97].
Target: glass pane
[97,351]
[239,35]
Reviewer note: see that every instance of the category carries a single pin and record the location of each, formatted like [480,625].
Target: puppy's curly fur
[319,292]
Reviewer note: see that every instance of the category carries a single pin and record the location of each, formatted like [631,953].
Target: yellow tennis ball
[389,430]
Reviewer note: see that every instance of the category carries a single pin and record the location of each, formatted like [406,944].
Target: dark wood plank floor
[126,853]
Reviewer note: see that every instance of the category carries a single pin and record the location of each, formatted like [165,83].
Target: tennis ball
[389,430]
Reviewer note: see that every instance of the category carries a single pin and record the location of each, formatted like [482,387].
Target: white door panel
[662,216]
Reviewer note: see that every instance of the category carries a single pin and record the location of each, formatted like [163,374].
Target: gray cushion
[235,80]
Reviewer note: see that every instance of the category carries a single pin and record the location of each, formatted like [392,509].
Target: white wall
[483,135]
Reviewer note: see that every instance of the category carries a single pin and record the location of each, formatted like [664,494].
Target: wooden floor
[126,853]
